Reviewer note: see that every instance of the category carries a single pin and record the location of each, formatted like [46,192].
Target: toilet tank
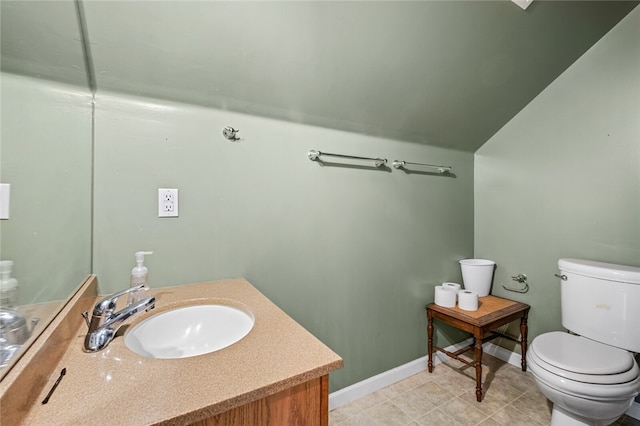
[601,301]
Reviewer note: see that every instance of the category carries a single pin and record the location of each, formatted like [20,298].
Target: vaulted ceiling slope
[444,73]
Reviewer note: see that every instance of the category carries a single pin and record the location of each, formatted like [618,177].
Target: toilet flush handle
[563,277]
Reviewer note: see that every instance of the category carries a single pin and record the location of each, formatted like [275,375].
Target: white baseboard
[634,410]
[368,386]
[501,353]
[375,383]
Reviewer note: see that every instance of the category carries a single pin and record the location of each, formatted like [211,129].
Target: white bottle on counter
[139,275]
[8,286]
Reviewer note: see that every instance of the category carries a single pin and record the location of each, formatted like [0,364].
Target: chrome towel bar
[401,164]
[314,155]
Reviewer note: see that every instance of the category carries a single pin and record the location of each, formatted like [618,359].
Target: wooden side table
[492,313]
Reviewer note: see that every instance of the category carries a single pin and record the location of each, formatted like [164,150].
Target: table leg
[430,340]
[523,340]
[478,363]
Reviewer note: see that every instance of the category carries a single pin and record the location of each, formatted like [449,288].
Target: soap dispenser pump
[139,274]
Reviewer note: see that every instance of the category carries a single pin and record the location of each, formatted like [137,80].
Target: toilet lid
[580,355]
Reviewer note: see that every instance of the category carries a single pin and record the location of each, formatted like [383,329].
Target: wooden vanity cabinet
[306,404]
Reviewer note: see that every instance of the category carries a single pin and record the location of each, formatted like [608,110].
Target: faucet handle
[85,315]
[108,304]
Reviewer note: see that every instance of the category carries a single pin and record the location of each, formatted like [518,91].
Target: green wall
[351,253]
[46,157]
[562,179]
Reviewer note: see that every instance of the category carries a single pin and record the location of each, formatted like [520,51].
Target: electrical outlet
[5,191]
[167,202]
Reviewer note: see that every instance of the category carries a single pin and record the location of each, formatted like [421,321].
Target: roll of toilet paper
[454,286]
[468,300]
[445,297]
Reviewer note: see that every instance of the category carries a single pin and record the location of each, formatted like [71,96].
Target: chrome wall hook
[230,133]
[522,279]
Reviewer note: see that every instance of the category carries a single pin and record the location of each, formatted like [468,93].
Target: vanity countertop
[116,386]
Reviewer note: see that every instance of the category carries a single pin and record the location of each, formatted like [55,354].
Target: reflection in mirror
[46,158]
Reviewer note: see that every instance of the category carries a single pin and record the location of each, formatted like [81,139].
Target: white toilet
[591,376]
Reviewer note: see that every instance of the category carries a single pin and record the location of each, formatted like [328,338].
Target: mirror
[46,157]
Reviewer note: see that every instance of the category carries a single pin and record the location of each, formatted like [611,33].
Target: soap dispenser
[8,286]
[139,275]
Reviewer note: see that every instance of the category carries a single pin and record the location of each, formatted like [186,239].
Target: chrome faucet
[105,322]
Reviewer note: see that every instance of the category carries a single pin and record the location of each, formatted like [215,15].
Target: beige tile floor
[447,397]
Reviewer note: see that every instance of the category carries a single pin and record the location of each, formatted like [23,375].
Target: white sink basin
[189,331]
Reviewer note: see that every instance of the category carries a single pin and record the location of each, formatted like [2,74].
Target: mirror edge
[43,327]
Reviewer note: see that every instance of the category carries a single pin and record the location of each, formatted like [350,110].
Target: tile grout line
[390,397]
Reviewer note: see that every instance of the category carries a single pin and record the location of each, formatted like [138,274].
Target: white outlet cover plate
[5,191]
[167,202]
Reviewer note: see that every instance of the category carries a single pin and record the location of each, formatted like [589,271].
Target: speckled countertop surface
[116,386]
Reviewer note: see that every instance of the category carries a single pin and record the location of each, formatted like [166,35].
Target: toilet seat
[580,359]
[583,388]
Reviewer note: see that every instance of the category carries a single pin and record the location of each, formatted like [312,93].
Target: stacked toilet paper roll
[445,297]
[454,286]
[468,300]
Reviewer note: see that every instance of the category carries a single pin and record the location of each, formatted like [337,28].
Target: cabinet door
[306,404]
